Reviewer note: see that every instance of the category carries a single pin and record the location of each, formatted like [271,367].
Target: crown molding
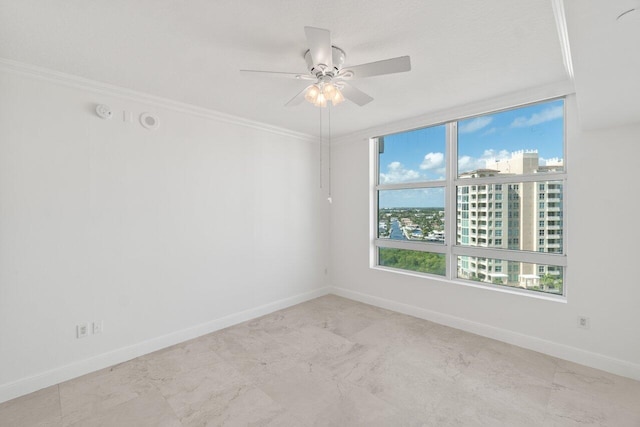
[70,80]
[563,35]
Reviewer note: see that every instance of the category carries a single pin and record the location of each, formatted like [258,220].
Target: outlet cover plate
[97,327]
[583,322]
[82,330]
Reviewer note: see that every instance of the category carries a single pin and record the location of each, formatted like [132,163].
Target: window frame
[451,250]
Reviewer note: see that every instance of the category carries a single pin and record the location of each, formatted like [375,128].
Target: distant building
[520,215]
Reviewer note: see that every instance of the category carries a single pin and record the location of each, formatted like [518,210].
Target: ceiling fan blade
[354,94]
[319,42]
[298,76]
[296,100]
[387,66]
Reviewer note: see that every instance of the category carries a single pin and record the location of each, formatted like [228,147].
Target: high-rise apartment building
[523,216]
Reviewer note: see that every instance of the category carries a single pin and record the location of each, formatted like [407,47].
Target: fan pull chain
[319,109]
[329,149]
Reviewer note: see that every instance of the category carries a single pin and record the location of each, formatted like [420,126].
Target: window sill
[489,287]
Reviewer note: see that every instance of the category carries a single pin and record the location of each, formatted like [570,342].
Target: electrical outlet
[82,330]
[583,322]
[98,326]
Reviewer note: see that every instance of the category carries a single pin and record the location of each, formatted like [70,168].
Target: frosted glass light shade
[337,97]
[312,94]
[319,95]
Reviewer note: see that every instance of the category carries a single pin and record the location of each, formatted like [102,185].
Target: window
[436,220]
[411,201]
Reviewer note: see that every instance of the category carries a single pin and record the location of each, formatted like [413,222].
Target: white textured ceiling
[606,58]
[190,51]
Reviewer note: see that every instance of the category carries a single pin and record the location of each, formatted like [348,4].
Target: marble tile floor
[335,362]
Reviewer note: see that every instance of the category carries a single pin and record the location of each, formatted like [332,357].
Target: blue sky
[418,155]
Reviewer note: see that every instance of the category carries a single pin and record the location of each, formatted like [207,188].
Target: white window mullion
[374,173]
[508,179]
[451,207]
[411,185]
[412,245]
[511,255]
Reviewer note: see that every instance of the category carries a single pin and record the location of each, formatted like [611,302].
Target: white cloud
[468,163]
[475,124]
[396,172]
[432,161]
[492,154]
[546,115]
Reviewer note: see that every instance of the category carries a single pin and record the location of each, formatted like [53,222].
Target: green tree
[424,262]
[549,282]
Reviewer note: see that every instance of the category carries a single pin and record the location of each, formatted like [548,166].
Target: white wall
[169,234]
[163,235]
[602,255]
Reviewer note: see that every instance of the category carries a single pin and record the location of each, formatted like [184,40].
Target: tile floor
[336,362]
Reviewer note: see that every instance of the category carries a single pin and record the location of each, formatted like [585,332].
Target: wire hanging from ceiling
[321,154]
[320,144]
[329,151]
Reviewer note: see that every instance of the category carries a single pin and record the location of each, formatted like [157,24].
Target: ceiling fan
[326,68]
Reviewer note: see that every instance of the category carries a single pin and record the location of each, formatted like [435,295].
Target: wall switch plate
[82,330]
[97,327]
[583,322]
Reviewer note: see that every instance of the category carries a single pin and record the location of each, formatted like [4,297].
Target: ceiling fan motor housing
[337,56]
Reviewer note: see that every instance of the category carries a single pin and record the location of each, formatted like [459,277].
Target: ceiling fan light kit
[325,64]
[319,94]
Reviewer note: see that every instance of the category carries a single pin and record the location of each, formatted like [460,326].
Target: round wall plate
[149,121]
[103,111]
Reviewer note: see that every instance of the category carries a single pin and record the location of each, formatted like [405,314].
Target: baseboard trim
[562,351]
[57,375]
